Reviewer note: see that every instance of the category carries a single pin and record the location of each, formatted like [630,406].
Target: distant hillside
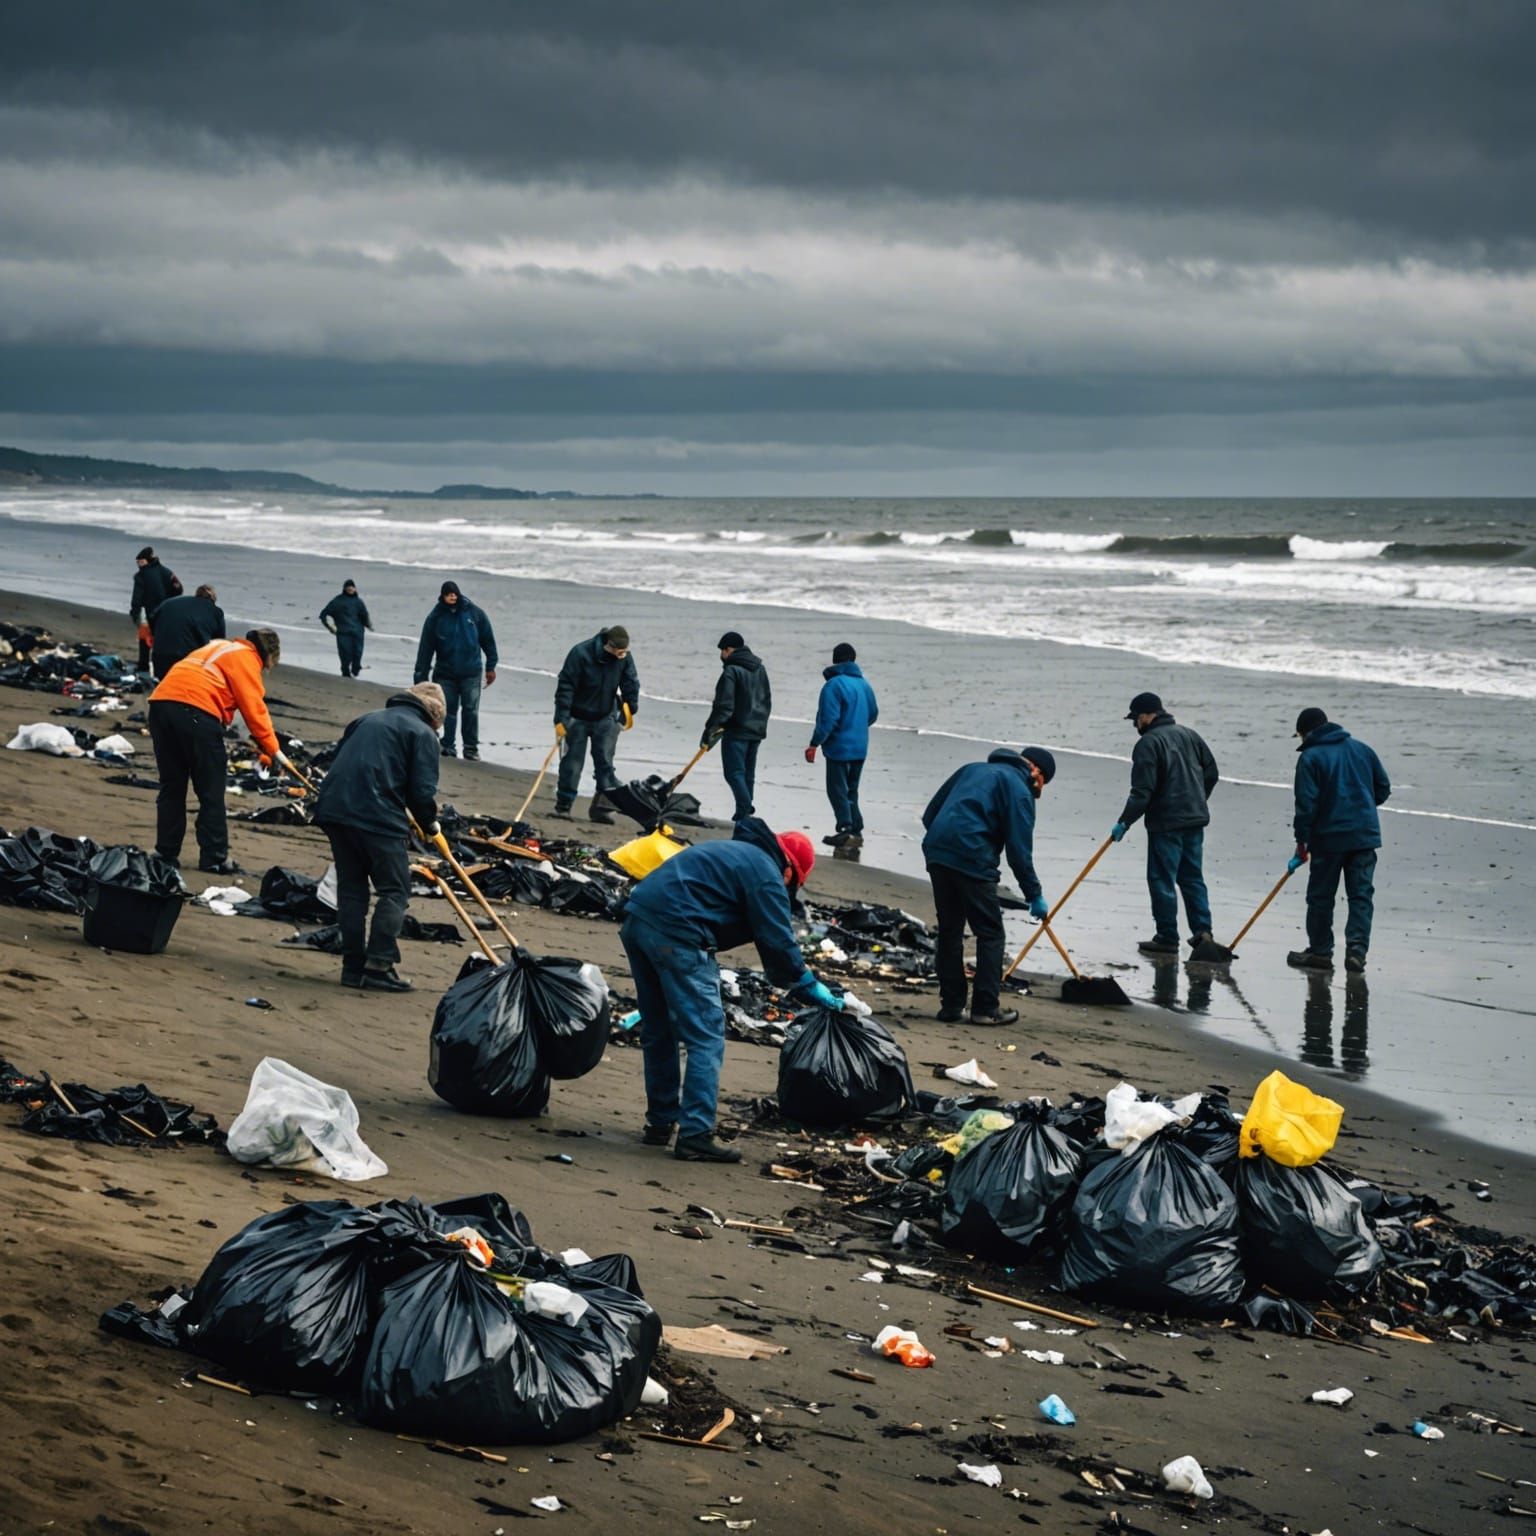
[20,468]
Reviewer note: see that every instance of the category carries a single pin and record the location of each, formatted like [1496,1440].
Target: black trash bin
[132,901]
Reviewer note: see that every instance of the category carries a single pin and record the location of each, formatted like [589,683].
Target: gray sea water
[1414,623]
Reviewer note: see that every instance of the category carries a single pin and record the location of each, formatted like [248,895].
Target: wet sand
[106,1437]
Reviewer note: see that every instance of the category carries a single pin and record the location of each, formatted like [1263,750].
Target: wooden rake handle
[441,844]
[1082,875]
[549,757]
[458,907]
[1274,891]
[688,768]
[1061,949]
[284,761]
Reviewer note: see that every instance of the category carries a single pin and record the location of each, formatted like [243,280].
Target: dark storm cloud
[1415,116]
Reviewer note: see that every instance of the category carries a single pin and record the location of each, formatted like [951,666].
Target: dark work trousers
[379,859]
[603,737]
[463,697]
[738,761]
[163,661]
[1358,867]
[144,650]
[843,791]
[189,749]
[1174,861]
[349,652]
[959,900]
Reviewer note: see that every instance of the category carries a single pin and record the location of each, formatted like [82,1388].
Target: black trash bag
[526,884]
[1279,1313]
[839,1068]
[126,868]
[452,1356]
[921,1159]
[287,1300]
[288,813]
[583,897]
[484,1054]
[1155,1228]
[567,1006]
[1303,1232]
[290,893]
[1012,1188]
[1212,1133]
[45,871]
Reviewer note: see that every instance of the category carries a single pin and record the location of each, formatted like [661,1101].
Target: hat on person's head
[1145,704]
[207,591]
[432,697]
[796,847]
[147,553]
[348,583]
[1044,760]
[447,587]
[268,646]
[730,641]
[843,652]
[1309,720]
[616,636]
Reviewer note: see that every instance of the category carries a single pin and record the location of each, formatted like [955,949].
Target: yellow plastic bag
[1289,1123]
[646,853]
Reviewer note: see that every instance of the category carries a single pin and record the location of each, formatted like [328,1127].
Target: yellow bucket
[640,857]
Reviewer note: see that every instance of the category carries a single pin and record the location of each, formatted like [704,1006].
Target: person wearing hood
[709,897]
[1339,784]
[153,584]
[1172,776]
[183,624]
[188,714]
[453,639]
[981,813]
[844,713]
[384,774]
[596,696]
[346,616]
[738,719]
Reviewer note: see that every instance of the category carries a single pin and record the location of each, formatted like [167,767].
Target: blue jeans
[843,791]
[1358,867]
[738,761]
[678,990]
[462,694]
[1173,863]
[604,737]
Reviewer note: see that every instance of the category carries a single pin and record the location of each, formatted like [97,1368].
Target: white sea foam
[1303,548]
[1067,543]
[924,540]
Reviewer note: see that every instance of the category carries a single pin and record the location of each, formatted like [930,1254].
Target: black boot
[387,980]
[704,1149]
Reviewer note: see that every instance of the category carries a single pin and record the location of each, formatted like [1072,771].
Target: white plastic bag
[325,892]
[44,736]
[546,1299]
[293,1120]
[1184,1475]
[1130,1119]
[116,743]
[970,1073]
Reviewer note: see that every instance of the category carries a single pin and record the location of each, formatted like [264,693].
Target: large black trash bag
[519,882]
[1012,1188]
[584,897]
[1212,1133]
[485,1056]
[1303,1232]
[131,869]
[1156,1227]
[838,1068]
[290,893]
[453,1356]
[567,1005]
[45,871]
[287,1300]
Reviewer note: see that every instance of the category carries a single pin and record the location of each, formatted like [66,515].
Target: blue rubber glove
[1039,908]
[818,992]
[1292,864]
[1118,831]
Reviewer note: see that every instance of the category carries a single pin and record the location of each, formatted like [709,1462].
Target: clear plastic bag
[293,1120]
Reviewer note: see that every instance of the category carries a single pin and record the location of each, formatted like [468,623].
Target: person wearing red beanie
[707,898]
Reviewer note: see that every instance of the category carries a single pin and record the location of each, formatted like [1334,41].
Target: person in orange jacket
[188,714]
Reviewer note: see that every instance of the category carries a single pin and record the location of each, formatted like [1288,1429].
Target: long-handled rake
[549,757]
[1082,875]
[1099,991]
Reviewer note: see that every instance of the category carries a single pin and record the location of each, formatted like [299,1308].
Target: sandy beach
[109,1437]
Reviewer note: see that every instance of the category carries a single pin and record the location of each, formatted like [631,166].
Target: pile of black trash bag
[130,1116]
[443,1320]
[31,659]
[501,1032]
[45,870]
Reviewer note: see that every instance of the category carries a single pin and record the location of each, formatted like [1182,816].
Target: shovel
[549,757]
[1212,953]
[1083,874]
[1099,991]
[646,800]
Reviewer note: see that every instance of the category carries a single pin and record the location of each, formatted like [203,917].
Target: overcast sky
[1195,247]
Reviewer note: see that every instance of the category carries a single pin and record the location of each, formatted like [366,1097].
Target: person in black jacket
[153,583]
[739,718]
[183,624]
[596,696]
[457,632]
[1172,776]
[346,616]
[384,773]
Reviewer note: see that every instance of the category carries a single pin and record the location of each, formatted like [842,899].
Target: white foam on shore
[1303,548]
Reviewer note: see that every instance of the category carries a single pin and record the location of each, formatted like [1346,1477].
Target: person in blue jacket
[346,616]
[1339,784]
[980,813]
[844,713]
[710,897]
[452,641]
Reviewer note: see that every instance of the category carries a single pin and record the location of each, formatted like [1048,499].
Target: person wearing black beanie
[738,718]
[456,635]
[153,584]
[346,616]
[844,713]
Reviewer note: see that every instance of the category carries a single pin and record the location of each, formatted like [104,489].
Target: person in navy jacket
[844,713]
[452,641]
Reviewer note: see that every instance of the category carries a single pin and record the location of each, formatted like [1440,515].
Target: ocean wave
[1303,548]
[1066,543]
